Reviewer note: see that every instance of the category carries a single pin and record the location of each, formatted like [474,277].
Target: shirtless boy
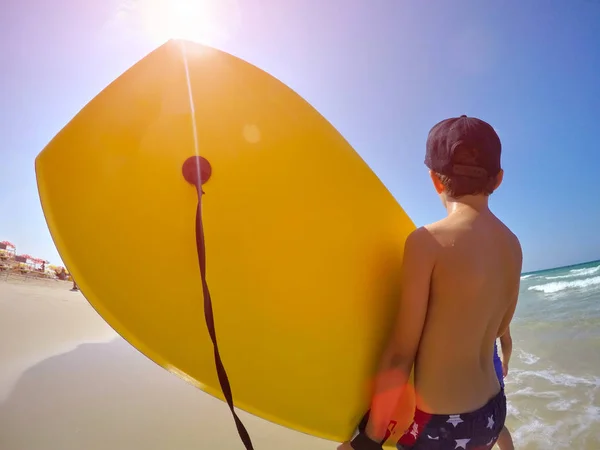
[460,281]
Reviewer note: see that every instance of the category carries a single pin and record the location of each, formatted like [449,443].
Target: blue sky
[383,72]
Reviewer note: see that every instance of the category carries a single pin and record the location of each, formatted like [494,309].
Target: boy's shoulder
[436,231]
[435,238]
[450,226]
[422,246]
[427,240]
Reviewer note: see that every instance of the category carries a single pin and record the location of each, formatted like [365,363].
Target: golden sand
[68,382]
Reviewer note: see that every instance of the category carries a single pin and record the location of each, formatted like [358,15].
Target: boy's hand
[345,446]
[504,369]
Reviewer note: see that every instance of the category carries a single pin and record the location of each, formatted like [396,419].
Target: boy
[460,280]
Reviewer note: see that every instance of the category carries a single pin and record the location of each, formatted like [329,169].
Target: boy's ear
[499,179]
[437,183]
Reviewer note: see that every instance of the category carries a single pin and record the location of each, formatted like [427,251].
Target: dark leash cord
[208,309]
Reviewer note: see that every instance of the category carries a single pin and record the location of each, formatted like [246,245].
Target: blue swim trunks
[476,430]
[498,366]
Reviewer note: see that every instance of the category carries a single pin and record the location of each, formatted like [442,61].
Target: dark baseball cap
[464,146]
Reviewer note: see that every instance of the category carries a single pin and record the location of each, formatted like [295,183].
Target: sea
[553,384]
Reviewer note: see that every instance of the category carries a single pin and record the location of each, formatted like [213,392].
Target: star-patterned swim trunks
[476,430]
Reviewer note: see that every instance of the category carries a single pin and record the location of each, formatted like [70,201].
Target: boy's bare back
[473,292]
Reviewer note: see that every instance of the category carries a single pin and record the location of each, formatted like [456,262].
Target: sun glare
[204,21]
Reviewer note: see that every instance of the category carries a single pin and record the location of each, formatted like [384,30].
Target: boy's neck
[477,203]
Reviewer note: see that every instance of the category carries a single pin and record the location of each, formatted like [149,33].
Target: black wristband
[364,442]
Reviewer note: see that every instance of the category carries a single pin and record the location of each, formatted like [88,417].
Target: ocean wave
[556,378]
[577,273]
[558,286]
[525,277]
[586,271]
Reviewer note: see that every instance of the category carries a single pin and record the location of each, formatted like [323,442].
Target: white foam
[573,431]
[530,392]
[584,422]
[573,428]
[557,378]
[570,413]
[560,277]
[558,286]
[528,358]
[593,411]
[586,271]
[511,409]
[524,277]
[538,433]
[562,404]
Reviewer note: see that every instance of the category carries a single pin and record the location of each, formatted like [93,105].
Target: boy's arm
[506,345]
[397,359]
[504,331]
[514,294]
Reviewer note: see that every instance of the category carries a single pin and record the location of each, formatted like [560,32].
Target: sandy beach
[68,382]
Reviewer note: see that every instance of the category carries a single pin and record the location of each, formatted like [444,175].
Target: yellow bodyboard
[303,241]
